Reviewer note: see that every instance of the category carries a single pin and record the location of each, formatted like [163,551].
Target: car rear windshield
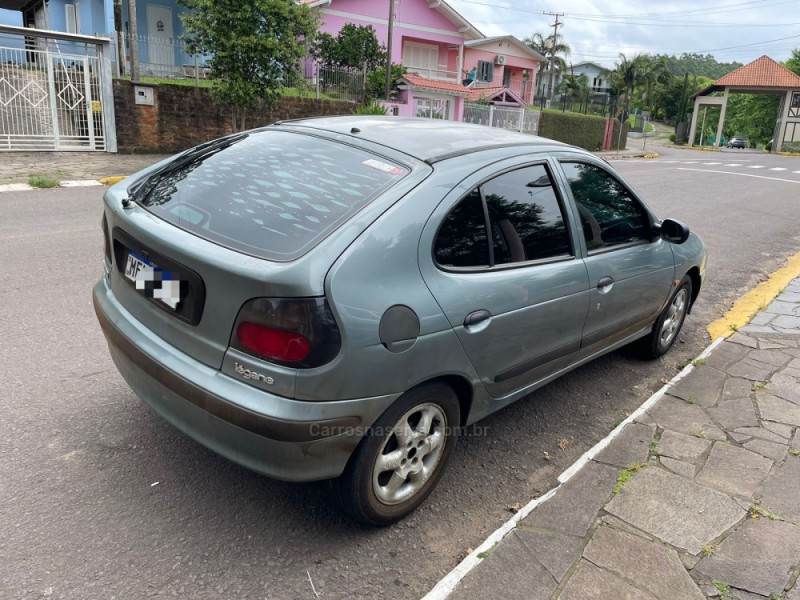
[270,194]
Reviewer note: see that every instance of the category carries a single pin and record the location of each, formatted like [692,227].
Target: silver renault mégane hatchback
[338,297]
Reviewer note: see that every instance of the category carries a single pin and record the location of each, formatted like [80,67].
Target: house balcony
[434,73]
[432,60]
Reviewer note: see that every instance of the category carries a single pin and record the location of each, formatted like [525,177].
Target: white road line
[740,174]
[795,171]
[778,169]
[80,183]
[15,187]
[756,167]
[733,165]
[447,584]
[689,162]
[712,163]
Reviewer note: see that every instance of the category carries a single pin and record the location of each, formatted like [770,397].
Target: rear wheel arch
[463,389]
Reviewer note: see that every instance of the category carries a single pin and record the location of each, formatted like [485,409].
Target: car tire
[669,322]
[400,461]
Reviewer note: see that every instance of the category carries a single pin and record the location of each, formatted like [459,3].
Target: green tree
[375,85]
[355,46]
[255,47]
[793,64]
[752,116]
[574,86]
[553,49]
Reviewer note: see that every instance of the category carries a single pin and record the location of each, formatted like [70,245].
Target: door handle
[605,282]
[476,318]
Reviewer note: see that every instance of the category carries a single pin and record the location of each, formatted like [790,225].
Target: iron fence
[166,58]
[514,119]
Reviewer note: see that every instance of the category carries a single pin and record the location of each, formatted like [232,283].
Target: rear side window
[462,240]
[610,215]
[521,210]
[525,217]
[274,194]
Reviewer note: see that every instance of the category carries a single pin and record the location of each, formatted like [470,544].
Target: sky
[598,30]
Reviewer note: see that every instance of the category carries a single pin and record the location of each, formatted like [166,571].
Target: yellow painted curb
[789,153]
[746,307]
[112,180]
[652,155]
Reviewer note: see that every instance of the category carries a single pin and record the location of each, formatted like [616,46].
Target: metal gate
[53,92]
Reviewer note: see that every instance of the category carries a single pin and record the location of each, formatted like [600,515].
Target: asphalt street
[100,498]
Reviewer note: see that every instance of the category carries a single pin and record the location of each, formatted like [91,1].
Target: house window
[432,108]
[71,13]
[421,57]
[485,71]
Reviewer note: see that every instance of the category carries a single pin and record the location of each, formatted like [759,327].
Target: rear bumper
[279,437]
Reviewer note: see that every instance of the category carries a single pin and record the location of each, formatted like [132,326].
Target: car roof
[430,140]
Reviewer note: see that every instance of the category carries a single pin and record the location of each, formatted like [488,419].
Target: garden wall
[184,116]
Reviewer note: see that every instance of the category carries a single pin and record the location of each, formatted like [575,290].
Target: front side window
[520,209]
[610,215]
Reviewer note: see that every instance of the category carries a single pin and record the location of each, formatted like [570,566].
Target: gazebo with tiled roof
[762,76]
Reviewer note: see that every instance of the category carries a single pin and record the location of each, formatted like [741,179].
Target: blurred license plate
[152,282]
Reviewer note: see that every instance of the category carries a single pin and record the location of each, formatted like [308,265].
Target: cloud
[598,30]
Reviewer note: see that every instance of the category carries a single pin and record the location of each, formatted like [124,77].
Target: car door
[499,256]
[631,271]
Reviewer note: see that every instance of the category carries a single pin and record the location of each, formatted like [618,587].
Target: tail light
[294,332]
[106,241]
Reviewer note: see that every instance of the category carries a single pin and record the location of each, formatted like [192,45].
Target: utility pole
[134,43]
[390,34]
[553,51]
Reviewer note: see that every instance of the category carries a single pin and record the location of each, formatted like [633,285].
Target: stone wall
[184,116]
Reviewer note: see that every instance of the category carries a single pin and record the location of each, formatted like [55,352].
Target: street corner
[756,310]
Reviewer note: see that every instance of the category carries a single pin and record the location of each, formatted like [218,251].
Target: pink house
[434,43]
[504,62]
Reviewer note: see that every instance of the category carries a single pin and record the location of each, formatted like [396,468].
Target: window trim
[604,250]
[493,268]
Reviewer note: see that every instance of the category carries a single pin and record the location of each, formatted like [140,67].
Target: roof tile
[761,73]
[434,84]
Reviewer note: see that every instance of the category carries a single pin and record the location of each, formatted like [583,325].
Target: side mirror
[673,231]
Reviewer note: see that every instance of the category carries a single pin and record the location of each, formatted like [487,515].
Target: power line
[644,20]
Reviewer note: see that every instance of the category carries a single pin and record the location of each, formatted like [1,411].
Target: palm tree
[552,48]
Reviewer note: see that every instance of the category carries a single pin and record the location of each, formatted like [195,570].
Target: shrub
[372,108]
[584,131]
[672,137]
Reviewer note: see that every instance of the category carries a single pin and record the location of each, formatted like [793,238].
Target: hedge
[584,131]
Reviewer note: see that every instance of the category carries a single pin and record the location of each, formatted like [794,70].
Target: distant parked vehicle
[737,143]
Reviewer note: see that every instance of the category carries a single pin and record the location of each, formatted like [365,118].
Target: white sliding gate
[55,91]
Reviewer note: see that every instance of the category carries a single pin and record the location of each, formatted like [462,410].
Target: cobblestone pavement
[16,167]
[696,498]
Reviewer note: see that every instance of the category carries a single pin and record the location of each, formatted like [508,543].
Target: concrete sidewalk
[698,497]
[17,167]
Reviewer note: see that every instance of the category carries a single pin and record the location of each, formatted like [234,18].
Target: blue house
[161,51]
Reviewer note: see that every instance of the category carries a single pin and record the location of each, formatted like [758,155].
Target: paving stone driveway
[712,507]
